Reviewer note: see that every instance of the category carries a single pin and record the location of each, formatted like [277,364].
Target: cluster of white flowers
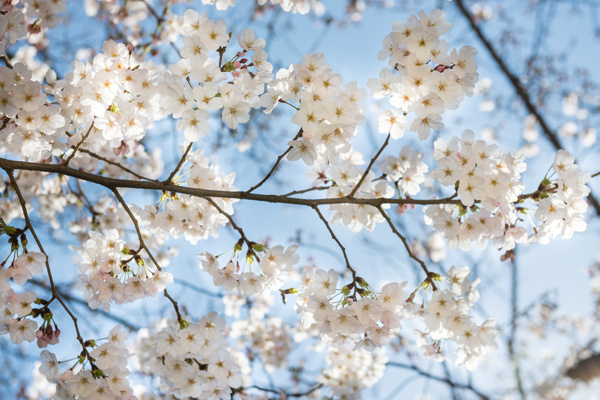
[342,319]
[274,264]
[190,361]
[369,322]
[16,308]
[446,317]
[293,6]
[235,97]
[44,14]
[481,174]
[327,114]
[488,182]
[269,338]
[427,90]
[106,380]
[350,372]
[407,171]
[107,275]
[12,25]
[562,208]
[35,121]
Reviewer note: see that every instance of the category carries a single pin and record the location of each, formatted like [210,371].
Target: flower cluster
[107,276]
[406,171]
[481,174]
[427,90]
[44,14]
[343,319]
[190,361]
[370,321]
[235,97]
[488,182]
[270,338]
[446,317]
[17,309]
[562,206]
[327,114]
[12,25]
[107,378]
[350,371]
[274,263]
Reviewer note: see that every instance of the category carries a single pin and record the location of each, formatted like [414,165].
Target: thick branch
[113,183]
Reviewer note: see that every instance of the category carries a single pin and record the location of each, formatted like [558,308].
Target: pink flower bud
[66,375]
[236,64]
[241,54]
[235,73]
[244,60]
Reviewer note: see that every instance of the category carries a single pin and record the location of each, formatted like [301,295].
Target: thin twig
[306,190]
[116,164]
[281,392]
[512,338]
[179,164]
[407,246]
[259,184]
[334,237]
[439,378]
[79,144]
[249,243]
[143,245]
[55,294]
[364,175]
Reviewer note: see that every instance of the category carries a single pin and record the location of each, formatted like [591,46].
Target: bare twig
[407,246]
[79,144]
[514,302]
[337,241]
[364,175]
[179,164]
[439,378]
[248,242]
[306,190]
[259,184]
[116,164]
